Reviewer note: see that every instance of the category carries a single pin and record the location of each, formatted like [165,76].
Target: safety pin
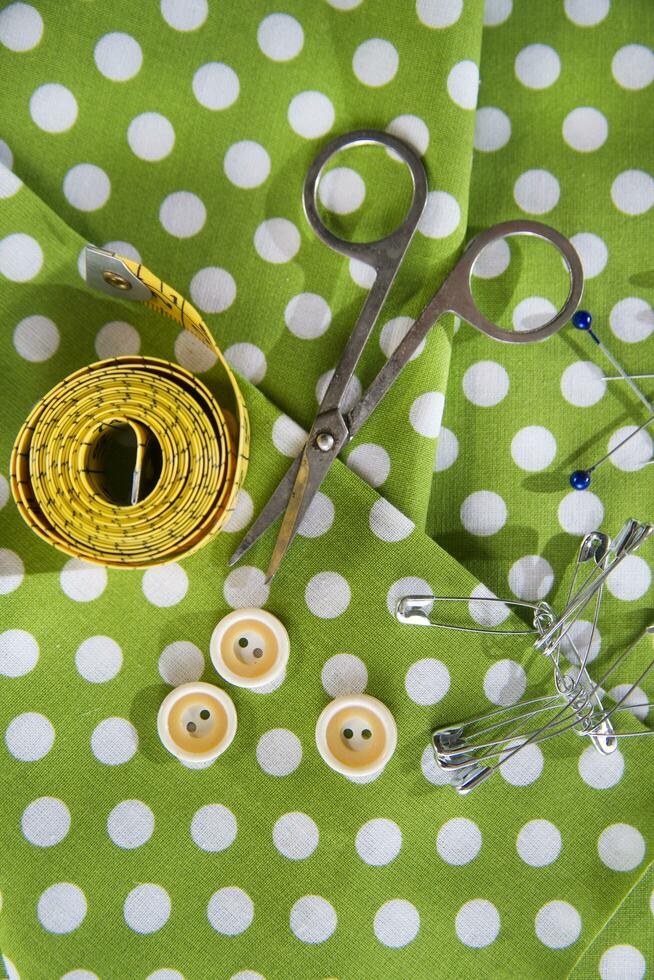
[416,610]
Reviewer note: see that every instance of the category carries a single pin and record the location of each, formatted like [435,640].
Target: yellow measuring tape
[190,451]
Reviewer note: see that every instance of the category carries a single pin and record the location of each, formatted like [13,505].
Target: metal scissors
[333,427]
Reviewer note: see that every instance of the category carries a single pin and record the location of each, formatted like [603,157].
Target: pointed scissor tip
[234,558]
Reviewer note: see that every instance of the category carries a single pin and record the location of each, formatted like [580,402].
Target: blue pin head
[580,479]
[582,320]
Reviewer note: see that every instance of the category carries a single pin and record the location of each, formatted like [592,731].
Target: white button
[250,648]
[356,735]
[197,722]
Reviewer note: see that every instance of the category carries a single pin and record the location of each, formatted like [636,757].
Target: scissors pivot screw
[325,441]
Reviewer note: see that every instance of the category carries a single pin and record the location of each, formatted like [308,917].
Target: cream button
[250,648]
[356,735]
[197,722]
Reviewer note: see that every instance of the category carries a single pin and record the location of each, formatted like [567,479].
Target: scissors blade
[269,514]
[290,521]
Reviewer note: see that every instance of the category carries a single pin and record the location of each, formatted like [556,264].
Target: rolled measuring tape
[189,449]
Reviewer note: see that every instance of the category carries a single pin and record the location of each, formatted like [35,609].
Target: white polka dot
[441,216]
[213,827]
[86,187]
[477,923]
[82,975]
[388,523]
[313,920]
[539,843]
[493,260]
[6,156]
[288,437]
[485,383]
[600,771]
[164,974]
[4,491]
[318,518]
[213,289]
[430,770]
[531,578]
[378,842]
[147,908]
[246,164]
[496,12]
[242,513]
[45,822]
[307,315]
[344,674]
[463,84]
[536,191]
[327,595]
[492,130]
[280,37]
[36,338]
[459,841]
[344,4]
[19,653]
[447,450]
[184,15]
[633,66]
[181,662]
[241,975]
[622,962]
[585,129]
[116,339]
[486,613]
[295,836]
[311,114]
[406,586]
[21,27]
[182,214]
[538,66]
[579,633]
[483,513]
[123,248]
[246,586]
[558,924]
[533,312]
[582,384]
[412,130]
[342,190]
[632,192]
[165,585]
[592,251]
[396,923]
[193,354]
[393,333]
[635,700]
[580,513]
[361,273]
[21,257]
[277,240]
[439,13]
[505,682]
[98,659]
[279,752]
[29,736]
[533,448]
[586,13]
[130,824]
[375,62]
[216,86]
[53,108]
[114,741]
[151,136]
[82,581]
[62,908]
[352,393]
[426,413]
[9,182]
[427,681]
[631,579]
[524,767]
[632,319]
[118,56]
[371,462]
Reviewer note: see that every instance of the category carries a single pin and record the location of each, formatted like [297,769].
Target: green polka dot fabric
[180,133]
